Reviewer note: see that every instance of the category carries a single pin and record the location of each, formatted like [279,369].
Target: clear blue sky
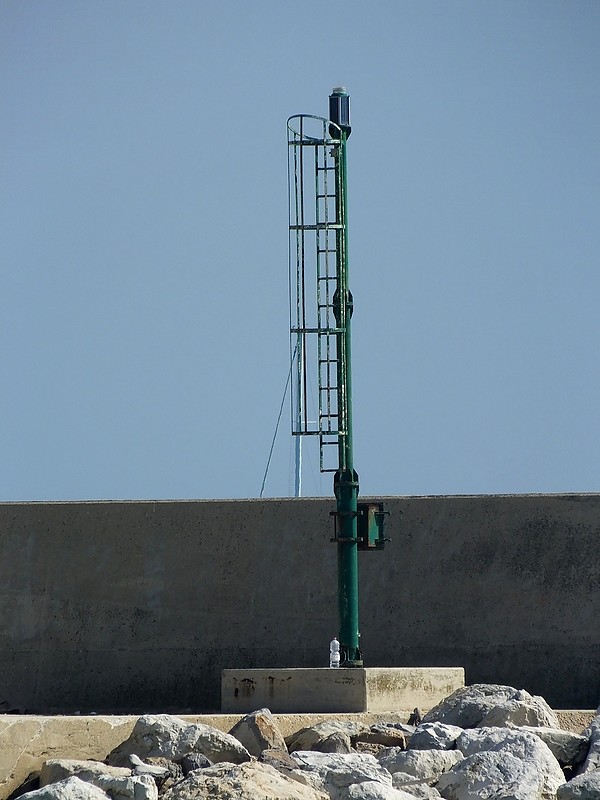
[144,340]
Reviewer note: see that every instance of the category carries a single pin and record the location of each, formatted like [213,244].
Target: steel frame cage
[316,232]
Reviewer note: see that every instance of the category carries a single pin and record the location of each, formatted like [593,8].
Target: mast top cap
[339,90]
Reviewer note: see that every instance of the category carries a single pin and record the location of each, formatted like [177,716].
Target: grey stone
[174,772]
[414,786]
[568,748]
[467,706]
[434,736]
[384,735]
[258,731]
[141,768]
[423,764]
[236,781]
[72,788]
[583,787]
[57,769]
[162,735]
[194,761]
[307,738]
[592,734]
[280,759]
[333,773]
[526,746]
[523,709]
[375,790]
[336,743]
[117,783]
[488,774]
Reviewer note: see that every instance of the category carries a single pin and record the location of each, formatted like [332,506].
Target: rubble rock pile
[483,741]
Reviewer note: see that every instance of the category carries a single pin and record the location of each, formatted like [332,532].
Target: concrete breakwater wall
[137,606]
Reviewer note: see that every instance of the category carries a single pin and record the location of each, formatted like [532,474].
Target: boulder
[374,790]
[164,736]
[385,735]
[336,743]
[526,746]
[235,781]
[422,764]
[56,769]
[333,773]
[497,775]
[194,761]
[280,759]
[523,709]
[307,738]
[414,786]
[116,782]
[158,771]
[467,706]
[592,734]
[434,736]
[72,788]
[583,787]
[258,731]
[568,748]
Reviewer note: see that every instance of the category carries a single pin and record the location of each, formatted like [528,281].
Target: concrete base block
[341,690]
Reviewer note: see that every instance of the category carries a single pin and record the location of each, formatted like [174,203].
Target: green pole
[345,484]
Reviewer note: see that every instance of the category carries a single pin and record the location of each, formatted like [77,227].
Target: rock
[488,774]
[399,726]
[280,759]
[72,788]
[141,768]
[414,786]
[56,769]
[116,782]
[173,774]
[336,743]
[367,747]
[307,738]
[334,773]
[236,781]
[422,764]
[467,706]
[568,748]
[523,709]
[434,736]
[583,787]
[259,731]
[194,761]
[592,734]
[374,790]
[382,734]
[520,744]
[162,735]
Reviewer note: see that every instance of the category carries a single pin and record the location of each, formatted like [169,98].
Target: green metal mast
[345,482]
[321,313]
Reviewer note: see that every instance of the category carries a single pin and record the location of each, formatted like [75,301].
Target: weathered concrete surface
[26,742]
[138,606]
[333,690]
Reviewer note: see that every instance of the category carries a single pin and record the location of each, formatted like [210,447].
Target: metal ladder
[326,256]
[315,236]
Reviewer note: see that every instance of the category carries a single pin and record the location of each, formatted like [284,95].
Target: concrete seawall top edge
[326,498]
